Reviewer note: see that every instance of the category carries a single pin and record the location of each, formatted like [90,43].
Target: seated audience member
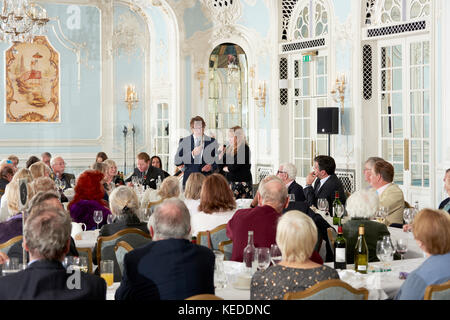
[170,188]
[15,161]
[192,191]
[326,182]
[217,204]
[30,161]
[88,198]
[146,171]
[124,205]
[262,220]
[45,158]
[157,163]
[103,168]
[361,207]
[39,169]
[43,184]
[170,267]
[287,172]
[368,166]
[47,240]
[101,157]
[296,238]
[6,175]
[391,196]
[10,200]
[60,176]
[112,178]
[431,229]
[445,205]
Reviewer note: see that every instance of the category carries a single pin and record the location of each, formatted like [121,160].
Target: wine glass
[109,219]
[408,216]
[402,247]
[322,204]
[98,216]
[291,197]
[275,254]
[263,258]
[72,183]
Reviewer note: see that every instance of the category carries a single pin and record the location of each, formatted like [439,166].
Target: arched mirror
[228,89]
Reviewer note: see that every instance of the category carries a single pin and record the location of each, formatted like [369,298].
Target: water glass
[110,219]
[402,247]
[83,264]
[10,266]
[220,279]
[107,271]
[98,216]
[275,254]
[291,197]
[322,205]
[262,258]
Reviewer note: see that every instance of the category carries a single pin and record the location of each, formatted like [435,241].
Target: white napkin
[371,282]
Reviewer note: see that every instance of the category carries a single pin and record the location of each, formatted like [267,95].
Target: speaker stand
[329,143]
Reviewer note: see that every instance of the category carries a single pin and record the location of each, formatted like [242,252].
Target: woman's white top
[201,221]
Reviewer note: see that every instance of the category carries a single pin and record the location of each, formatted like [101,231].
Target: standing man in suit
[287,172]
[390,194]
[326,184]
[170,267]
[146,171]
[198,151]
[47,240]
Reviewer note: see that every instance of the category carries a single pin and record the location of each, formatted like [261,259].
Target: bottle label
[362,267]
[340,254]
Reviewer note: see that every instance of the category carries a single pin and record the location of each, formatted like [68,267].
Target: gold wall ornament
[32,82]
[200,77]
[131,98]
[259,95]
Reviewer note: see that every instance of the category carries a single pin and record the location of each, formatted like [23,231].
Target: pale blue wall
[342,9]
[255,17]
[194,20]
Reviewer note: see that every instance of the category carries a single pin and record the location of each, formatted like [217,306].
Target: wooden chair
[105,246]
[206,296]
[86,252]
[226,247]
[437,291]
[8,245]
[329,290]
[121,249]
[212,238]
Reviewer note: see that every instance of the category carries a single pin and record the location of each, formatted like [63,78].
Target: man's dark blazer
[48,280]
[295,188]
[172,269]
[150,177]
[191,164]
[321,224]
[327,191]
[443,203]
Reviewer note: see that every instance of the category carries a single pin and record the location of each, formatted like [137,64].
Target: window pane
[305,92]
[426,176]
[298,148]
[385,100]
[426,151]
[385,130]
[398,173]
[397,107]
[398,150]
[322,147]
[386,150]
[321,66]
[416,127]
[416,175]
[305,69]
[416,102]
[416,151]
[398,127]
[416,78]
[306,108]
[426,127]
[426,77]
[416,53]
[298,128]
[306,149]
[321,86]
[306,128]
[426,52]
[426,102]
[397,56]
[397,80]
[297,109]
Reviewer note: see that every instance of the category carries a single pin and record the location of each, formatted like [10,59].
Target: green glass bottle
[340,254]
[336,212]
[361,252]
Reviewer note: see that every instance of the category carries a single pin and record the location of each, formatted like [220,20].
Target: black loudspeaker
[328,120]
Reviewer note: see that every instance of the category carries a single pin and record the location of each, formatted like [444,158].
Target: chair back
[437,291]
[329,290]
[206,296]
[105,246]
[12,244]
[226,247]
[121,249]
[86,252]
[332,235]
[212,238]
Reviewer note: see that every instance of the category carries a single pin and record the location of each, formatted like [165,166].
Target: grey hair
[274,191]
[362,204]
[41,197]
[290,169]
[371,161]
[171,219]
[52,160]
[47,232]
[123,196]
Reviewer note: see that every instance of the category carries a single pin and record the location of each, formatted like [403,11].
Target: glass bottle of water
[249,255]
[158,183]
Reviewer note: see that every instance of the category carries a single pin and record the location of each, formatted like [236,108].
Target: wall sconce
[201,76]
[260,96]
[338,93]
[130,98]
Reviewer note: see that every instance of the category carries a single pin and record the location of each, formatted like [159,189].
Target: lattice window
[262,172]
[384,12]
[367,72]
[347,177]
[401,28]
[419,9]
[283,76]
[303,45]
[311,21]
[287,6]
[222,3]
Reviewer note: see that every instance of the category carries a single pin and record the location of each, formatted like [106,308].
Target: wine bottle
[336,212]
[361,252]
[340,248]
[249,254]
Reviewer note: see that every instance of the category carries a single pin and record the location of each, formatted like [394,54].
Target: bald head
[274,194]
[171,219]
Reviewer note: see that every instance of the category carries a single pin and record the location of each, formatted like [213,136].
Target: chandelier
[21,20]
